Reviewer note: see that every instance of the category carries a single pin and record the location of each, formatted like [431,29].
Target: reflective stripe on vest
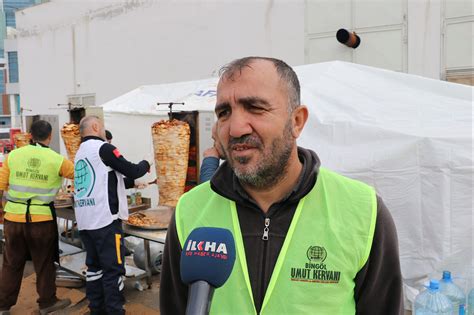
[328,242]
[43,199]
[34,175]
[34,190]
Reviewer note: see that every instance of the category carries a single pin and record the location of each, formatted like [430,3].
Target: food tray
[63,201]
[161,215]
[62,205]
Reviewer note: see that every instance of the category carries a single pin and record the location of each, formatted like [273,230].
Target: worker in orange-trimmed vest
[31,176]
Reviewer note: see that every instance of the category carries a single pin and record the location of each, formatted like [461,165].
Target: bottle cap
[434,284]
[447,276]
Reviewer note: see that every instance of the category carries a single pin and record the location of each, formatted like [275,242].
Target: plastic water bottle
[451,290]
[433,302]
[470,302]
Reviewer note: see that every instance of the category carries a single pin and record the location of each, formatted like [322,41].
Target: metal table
[68,212]
[158,236]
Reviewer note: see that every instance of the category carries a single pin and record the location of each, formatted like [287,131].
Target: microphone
[207,260]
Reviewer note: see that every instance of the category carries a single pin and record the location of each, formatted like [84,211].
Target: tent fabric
[196,95]
[408,136]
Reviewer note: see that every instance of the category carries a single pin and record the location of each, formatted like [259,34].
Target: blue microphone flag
[208,255]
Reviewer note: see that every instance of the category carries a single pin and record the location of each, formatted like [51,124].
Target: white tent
[408,136]
[197,95]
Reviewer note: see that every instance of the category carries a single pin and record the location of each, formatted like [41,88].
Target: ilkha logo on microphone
[206,249]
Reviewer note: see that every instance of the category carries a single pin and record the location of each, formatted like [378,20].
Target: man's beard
[273,163]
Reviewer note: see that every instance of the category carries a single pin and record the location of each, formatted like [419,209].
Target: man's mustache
[250,140]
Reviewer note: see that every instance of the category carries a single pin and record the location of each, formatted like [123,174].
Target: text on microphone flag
[208,255]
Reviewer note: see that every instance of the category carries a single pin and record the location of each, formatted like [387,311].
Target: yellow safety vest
[327,244]
[34,178]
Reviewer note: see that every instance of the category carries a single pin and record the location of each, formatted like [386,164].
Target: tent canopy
[196,95]
[408,136]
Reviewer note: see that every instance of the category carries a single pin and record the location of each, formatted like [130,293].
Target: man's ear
[299,117]
[95,126]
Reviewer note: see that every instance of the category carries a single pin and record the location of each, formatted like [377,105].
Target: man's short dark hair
[108,135]
[286,73]
[40,130]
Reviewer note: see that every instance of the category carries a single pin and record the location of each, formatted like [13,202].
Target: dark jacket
[378,288]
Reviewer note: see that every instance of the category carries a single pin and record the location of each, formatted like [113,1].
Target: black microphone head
[208,255]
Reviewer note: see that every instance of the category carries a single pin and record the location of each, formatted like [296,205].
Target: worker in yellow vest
[308,241]
[31,177]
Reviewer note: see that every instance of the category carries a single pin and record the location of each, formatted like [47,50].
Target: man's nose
[239,124]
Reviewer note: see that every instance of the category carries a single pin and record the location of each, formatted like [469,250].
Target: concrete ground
[148,298]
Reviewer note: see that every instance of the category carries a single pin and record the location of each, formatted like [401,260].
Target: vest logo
[34,163]
[207,248]
[32,172]
[316,253]
[315,270]
[84,178]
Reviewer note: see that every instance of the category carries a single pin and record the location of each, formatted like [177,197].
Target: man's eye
[223,113]
[256,109]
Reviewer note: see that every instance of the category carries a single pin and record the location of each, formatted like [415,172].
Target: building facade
[10,106]
[88,52]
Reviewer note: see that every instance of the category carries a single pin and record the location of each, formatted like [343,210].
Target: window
[2,89]
[2,82]
[10,17]
[13,67]
[18,106]
[11,6]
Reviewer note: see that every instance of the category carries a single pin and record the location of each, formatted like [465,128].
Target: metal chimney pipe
[350,39]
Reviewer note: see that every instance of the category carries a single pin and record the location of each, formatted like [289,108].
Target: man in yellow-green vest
[31,176]
[308,241]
